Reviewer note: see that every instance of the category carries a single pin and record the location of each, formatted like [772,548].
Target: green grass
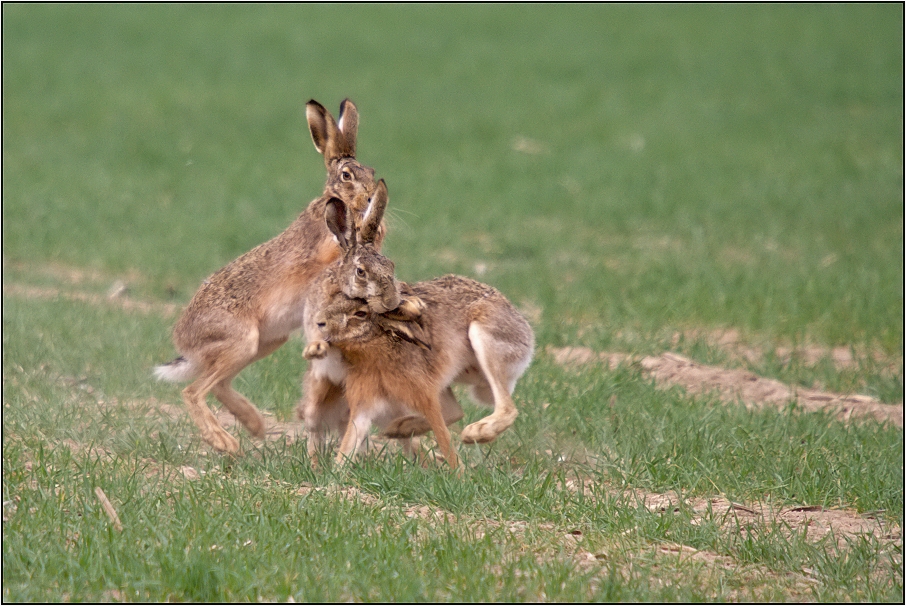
[626,174]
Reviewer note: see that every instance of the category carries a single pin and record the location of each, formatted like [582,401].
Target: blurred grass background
[618,167]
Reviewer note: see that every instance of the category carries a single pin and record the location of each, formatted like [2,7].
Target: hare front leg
[429,405]
[357,431]
[323,408]
[405,428]
[316,350]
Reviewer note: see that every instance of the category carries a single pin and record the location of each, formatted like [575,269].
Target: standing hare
[361,273]
[248,309]
[397,373]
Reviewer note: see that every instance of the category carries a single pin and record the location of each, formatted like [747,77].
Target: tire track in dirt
[734,385]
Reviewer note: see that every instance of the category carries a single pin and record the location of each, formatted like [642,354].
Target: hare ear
[348,124]
[324,132]
[374,213]
[337,217]
[407,331]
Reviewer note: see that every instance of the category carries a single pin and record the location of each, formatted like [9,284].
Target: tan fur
[246,310]
[361,270]
[475,336]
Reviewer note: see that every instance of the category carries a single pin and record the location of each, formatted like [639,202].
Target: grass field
[720,182]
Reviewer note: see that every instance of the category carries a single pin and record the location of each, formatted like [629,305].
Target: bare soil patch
[83,284]
[815,522]
[61,272]
[734,385]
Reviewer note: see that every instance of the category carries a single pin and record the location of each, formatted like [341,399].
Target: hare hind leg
[241,408]
[223,360]
[501,375]
[195,396]
[417,425]
[234,401]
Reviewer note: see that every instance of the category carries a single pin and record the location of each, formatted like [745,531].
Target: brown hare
[248,309]
[361,273]
[397,374]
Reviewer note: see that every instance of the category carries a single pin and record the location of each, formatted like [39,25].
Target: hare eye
[360,314]
[360,272]
[346,175]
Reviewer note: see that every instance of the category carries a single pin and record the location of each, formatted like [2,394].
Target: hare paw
[315,350]
[406,427]
[487,429]
[221,441]
[254,422]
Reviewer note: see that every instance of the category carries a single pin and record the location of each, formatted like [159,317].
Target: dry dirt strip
[114,298]
[815,522]
[734,385]
[818,521]
[668,369]
[732,343]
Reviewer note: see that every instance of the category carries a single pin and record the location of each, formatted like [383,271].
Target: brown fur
[475,335]
[362,271]
[247,309]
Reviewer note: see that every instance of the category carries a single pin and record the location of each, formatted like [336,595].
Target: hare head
[362,271]
[345,320]
[347,179]
[348,321]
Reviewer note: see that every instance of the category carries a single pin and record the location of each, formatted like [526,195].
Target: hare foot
[487,429]
[221,440]
[254,423]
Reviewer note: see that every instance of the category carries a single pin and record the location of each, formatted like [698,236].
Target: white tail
[177,371]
